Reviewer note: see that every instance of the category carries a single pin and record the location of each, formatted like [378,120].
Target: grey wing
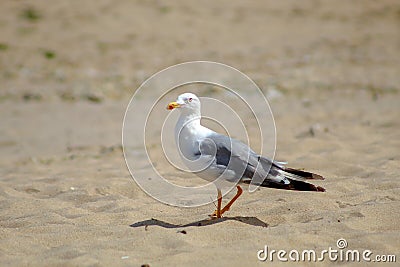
[236,157]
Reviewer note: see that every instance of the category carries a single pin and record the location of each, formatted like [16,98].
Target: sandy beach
[331,73]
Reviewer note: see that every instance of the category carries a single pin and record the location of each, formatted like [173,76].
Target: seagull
[219,158]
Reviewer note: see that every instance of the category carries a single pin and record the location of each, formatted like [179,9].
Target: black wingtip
[294,185]
[303,186]
[320,189]
[304,174]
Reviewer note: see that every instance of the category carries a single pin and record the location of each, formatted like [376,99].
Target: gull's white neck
[188,132]
[189,120]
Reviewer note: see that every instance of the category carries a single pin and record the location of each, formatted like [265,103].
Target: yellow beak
[173,105]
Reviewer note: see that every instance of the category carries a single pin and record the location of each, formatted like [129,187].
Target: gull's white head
[188,103]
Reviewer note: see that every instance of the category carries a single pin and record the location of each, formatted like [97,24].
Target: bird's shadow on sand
[246,220]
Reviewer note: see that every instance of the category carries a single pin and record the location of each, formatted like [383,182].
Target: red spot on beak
[173,105]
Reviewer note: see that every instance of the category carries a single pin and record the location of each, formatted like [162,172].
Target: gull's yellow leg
[227,206]
[217,213]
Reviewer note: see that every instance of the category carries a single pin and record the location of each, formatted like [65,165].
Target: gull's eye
[190,99]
